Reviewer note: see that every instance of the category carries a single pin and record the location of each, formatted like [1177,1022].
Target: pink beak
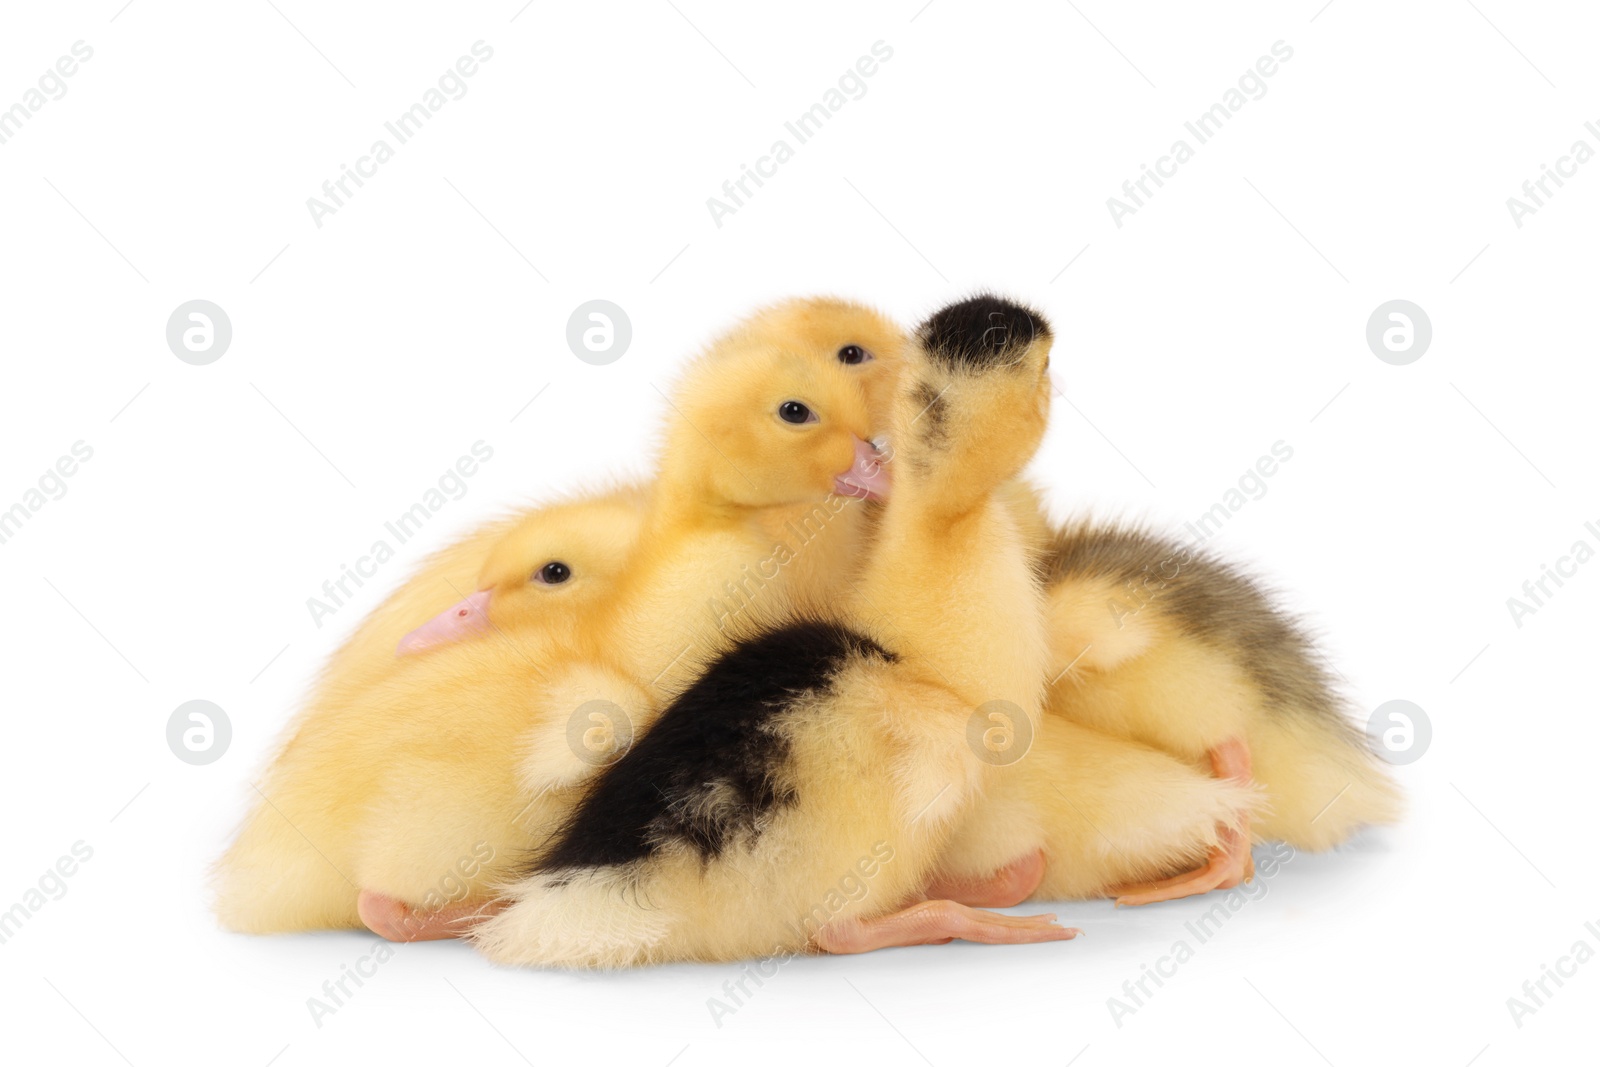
[458,621]
[867,477]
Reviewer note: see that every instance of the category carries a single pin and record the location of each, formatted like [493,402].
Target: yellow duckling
[799,791]
[429,746]
[766,446]
[1166,644]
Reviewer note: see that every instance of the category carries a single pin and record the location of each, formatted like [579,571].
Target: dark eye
[854,354]
[553,573]
[795,412]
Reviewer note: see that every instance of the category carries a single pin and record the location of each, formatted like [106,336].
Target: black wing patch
[711,769]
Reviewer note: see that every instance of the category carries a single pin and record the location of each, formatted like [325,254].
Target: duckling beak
[470,616]
[868,476]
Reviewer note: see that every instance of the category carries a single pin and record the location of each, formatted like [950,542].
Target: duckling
[799,791]
[771,418]
[1168,645]
[428,746]
[759,493]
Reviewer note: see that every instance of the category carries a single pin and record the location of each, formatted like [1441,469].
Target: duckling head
[974,397]
[781,410]
[544,578]
[859,337]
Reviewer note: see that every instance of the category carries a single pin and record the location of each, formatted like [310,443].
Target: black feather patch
[980,332]
[711,769]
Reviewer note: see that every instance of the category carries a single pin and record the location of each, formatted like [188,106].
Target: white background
[1227,314]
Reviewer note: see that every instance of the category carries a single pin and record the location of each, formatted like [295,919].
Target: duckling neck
[934,572]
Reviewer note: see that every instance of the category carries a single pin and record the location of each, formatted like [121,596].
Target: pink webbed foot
[938,922]
[1230,862]
[396,920]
